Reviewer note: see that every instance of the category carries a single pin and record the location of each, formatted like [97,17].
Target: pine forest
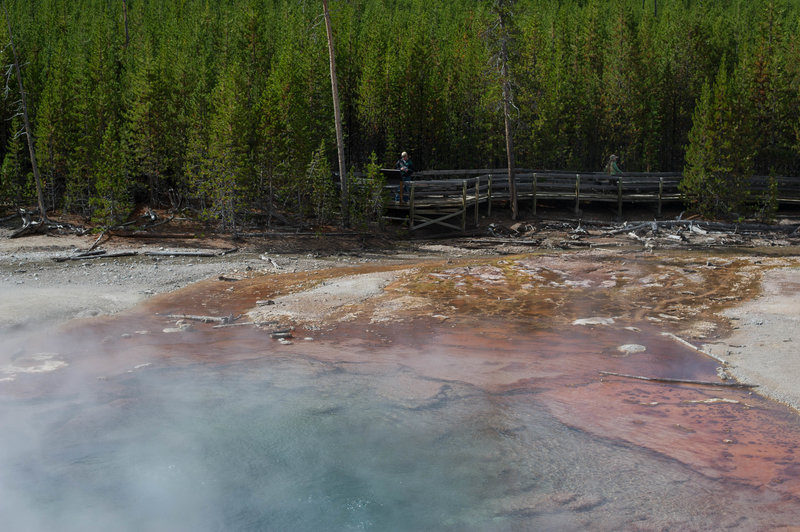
[223,108]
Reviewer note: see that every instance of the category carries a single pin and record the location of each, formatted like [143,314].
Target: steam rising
[281,440]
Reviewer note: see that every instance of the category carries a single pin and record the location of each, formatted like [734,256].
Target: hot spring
[459,417]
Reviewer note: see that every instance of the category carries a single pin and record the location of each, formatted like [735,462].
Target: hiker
[611,167]
[406,168]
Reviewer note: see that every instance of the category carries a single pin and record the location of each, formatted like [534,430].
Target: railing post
[535,183]
[464,206]
[619,197]
[660,193]
[477,199]
[489,208]
[411,207]
[577,193]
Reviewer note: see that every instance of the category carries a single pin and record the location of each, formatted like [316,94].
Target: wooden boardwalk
[447,198]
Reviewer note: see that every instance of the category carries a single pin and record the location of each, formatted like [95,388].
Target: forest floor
[43,282]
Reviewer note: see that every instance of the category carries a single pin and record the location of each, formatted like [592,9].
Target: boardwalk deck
[446,197]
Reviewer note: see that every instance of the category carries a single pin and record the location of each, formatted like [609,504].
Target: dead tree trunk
[28,133]
[337,118]
[507,103]
[512,182]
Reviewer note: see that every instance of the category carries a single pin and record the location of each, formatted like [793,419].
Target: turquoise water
[255,447]
[293,443]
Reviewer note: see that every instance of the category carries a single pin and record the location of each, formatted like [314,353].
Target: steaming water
[240,436]
[278,445]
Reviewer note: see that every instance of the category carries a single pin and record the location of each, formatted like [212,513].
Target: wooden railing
[437,197]
[577,187]
[439,201]
[787,188]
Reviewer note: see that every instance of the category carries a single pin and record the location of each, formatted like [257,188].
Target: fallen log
[64,228]
[9,217]
[94,254]
[680,381]
[33,228]
[83,255]
[91,253]
[43,226]
[99,238]
[205,319]
[118,254]
[145,234]
[500,240]
[181,253]
[190,253]
[649,226]
[292,233]
[703,225]
[255,323]
[97,255]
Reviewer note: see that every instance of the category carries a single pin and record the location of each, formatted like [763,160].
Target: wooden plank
[438,221]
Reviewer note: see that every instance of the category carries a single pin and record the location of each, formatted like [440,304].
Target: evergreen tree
[771,102]
[718,158]
[591,76]
[792,62]
[111,202]
[318,189]
[549,99]
[216,155]
[584,74]
[368,201]
[78,186]
[55,131]
[16,186]
[682,62]
[145,119]
[620,87]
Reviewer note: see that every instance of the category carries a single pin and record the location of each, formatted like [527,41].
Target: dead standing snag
[26,122]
